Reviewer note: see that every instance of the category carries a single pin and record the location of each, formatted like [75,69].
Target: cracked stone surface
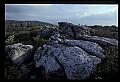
[72,51]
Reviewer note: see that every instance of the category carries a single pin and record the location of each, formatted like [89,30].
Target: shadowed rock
[72,30]
[47,32]
[18,53]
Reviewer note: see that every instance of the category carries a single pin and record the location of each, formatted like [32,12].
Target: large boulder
[18,53]
[59,59]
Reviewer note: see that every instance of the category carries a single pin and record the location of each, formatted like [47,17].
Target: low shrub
[9,40]
[108,68]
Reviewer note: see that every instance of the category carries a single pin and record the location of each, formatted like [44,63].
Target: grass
[12,71]
[103,32]
[108,68]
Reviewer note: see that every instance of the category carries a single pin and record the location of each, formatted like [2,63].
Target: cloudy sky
[90,14]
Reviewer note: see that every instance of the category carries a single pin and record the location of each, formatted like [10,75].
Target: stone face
[46,58]
[102,40]
[18,53]
[90,47]
[75,62]
[74,31]
[66,30]
[47,32]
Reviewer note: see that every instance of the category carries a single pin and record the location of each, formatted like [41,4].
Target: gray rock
[90,47]
[46,59]
[18,53]
[66,36]
[47,32]
[77,63]
[59,58]
[67,30]
[102,40]
[74,31]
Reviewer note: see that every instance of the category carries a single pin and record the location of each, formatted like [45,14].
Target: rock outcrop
[18,53]
[72,30]
[74,61]
[71,51]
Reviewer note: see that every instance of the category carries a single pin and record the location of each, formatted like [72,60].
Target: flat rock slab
[102,40]
[90,47]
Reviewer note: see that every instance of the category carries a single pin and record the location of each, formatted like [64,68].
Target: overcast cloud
[89,14]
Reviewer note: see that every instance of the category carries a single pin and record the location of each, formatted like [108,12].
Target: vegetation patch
[108,68]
